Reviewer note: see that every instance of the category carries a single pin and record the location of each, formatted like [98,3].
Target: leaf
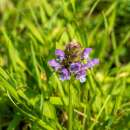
[14,123]
[49,110]
[34,30]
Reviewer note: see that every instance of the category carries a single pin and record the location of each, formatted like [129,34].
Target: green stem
[70,108]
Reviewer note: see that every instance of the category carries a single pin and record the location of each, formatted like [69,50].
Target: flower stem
[70,108]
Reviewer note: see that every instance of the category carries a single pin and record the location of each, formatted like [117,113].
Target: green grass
[31,94]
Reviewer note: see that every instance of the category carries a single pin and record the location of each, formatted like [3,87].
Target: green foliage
[32,96]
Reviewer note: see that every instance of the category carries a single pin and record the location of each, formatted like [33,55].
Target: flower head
[73,61]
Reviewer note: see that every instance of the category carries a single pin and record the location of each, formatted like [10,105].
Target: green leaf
[49,110]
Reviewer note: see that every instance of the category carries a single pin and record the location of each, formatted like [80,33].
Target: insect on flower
[73,61]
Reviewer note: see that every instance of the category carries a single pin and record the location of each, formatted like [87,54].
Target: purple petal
[82,79]
[75,67]
[84,67]
[81,75]
[54,64]
[64,74]
[60,54]
[86,53]
[92,63]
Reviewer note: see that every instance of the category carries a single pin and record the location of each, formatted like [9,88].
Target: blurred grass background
[31,95]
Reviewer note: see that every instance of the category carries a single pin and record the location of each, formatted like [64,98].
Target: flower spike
[71,62]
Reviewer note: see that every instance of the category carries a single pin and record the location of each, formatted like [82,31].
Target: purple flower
[64,74]
[86,53]
[75,67]
[60,54]
[92,63]
[54,64]
[73,61]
